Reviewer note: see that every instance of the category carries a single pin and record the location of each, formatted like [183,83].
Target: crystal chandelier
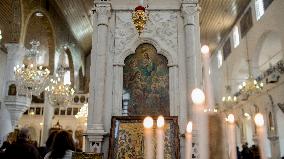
[139,18]
[83,113]
[59,94]
[227,100]
[31,79]
[250,86]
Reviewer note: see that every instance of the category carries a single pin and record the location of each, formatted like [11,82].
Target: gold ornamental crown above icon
[139,18]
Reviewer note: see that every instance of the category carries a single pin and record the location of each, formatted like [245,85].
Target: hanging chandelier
[59,93]
[250,86]
[83,113]
[228,100]
[31,79]
[139,17]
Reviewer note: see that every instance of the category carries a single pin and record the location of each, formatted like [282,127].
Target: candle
[231,134]
[141,2]
[148,137]
[188,141]
[160,137]
[259,122]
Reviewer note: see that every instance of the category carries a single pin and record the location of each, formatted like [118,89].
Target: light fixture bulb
[197,96]
[148,122]
[205,49]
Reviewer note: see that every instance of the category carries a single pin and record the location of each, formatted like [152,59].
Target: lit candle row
[148,137]
[160,136]
[259,122]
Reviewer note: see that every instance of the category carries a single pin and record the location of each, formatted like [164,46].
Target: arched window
[219,58]
[67,77]
[236,36]
[259,9]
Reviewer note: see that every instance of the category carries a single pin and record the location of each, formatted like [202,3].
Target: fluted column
[95,128]
[190,13]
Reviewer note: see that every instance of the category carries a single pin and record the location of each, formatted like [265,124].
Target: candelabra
[31,79]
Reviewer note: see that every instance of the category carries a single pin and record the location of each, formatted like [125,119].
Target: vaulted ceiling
[217,18]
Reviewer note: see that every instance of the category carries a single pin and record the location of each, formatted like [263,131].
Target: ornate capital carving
[103,11]
[189,12]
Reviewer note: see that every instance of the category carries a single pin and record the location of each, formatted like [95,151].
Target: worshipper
[246,153]
[22,148]
[62,147]
[239,155]
[48,144]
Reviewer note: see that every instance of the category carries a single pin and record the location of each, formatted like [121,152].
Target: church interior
[145,79]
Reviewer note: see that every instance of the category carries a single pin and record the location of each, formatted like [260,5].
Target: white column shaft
[48,113]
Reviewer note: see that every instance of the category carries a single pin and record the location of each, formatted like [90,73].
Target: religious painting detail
[127,138]
[146,79]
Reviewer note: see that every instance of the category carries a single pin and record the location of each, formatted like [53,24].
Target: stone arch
[265,55]
[53,35]
[119,59]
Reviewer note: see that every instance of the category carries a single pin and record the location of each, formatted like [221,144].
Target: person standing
[62,147]
[22,148]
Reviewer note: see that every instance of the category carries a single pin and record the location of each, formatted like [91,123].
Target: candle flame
[148,122]
[231,118]
[258,119]
[189,127]
[160,122]
[197,96]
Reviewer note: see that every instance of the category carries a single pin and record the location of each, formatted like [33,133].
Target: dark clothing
[42,151]
[22,150]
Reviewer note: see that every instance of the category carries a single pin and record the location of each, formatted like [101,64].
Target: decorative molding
[161,27]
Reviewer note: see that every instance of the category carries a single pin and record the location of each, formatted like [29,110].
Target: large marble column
[95,128]
[16,105]
[190,13]
[47,119]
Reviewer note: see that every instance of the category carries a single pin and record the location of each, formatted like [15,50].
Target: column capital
[103,11]
[188,12]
